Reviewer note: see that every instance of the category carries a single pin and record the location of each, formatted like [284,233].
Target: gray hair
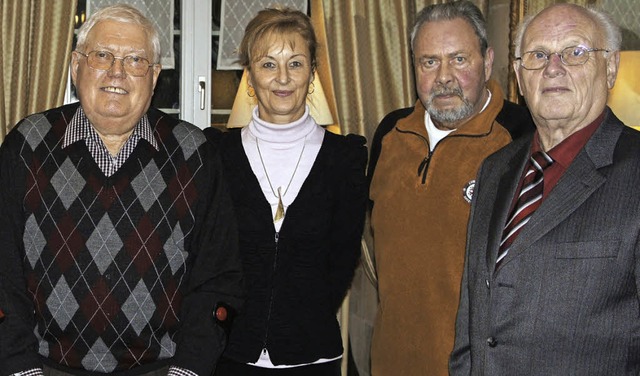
[125,14]
[451,11]
[612,34]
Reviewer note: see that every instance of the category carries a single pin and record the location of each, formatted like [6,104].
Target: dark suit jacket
[565,300]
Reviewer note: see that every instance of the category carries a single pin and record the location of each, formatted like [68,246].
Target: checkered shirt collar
[80,128]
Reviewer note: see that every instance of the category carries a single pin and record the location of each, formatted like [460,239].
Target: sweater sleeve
[385,126]
[215,279]
[18,344]
[348,219]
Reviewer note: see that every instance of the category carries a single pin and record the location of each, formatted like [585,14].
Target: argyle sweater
[114,274]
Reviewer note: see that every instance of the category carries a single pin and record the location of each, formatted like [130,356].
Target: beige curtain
[368,47]
[35,46]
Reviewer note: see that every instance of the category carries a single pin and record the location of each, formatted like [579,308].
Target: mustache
[445,91]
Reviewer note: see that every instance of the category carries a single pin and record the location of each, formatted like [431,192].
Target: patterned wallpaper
[625,12]
[627,15]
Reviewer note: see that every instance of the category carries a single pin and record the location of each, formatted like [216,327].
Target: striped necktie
[528,201]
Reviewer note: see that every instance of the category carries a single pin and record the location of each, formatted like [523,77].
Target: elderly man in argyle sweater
[117,237]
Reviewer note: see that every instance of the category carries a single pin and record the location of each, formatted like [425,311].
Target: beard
[452,115]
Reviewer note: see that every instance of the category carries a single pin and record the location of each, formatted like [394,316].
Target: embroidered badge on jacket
[467,190]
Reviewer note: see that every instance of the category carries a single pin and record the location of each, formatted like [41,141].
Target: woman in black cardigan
[300,195]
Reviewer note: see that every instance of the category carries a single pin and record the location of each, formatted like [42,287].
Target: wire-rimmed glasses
[573,55]
[103,60]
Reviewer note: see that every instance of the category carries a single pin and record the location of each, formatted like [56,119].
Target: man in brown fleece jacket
[422,170]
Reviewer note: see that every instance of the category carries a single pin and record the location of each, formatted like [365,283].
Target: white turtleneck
[281,146]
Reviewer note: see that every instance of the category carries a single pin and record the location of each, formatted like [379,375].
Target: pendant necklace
[280,209]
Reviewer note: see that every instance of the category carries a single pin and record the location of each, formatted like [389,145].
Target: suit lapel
[578,183]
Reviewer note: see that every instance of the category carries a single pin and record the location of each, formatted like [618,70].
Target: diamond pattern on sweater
[99,307]
[144,246]
[68,183]
[34,242]
[66,243]
[139,307]
[174,249]
[43,348]
[149,185]
[104,244]
[104,363]
[34,129]
[62,304]
[189,143]
[167,346]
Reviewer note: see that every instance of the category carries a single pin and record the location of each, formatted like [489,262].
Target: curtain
[517,14]
[35,46]
[368,46]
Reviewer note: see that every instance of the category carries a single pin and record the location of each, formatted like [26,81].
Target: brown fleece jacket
[419,222]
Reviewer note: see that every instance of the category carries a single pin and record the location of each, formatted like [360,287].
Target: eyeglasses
[574,55]
[103,60]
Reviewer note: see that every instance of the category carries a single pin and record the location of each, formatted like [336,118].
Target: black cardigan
[296,279]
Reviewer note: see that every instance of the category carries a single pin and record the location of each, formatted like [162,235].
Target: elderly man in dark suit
[552,268]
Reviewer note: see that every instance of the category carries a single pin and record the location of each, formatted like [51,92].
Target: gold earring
[312,88]
[251,91]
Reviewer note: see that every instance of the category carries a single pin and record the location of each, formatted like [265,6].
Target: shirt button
[492,342]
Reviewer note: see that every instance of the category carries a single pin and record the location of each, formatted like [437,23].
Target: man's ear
[516,65]
[75,61]
[613,62]
[157,68]
[488,63]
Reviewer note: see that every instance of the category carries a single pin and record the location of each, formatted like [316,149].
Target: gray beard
[453,115]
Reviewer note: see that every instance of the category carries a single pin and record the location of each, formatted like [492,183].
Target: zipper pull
[423,164]
[277,237]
